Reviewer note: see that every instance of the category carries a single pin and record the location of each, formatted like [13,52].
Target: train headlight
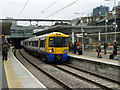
[50,50]
[65,50]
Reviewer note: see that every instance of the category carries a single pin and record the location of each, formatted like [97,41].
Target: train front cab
[57,48]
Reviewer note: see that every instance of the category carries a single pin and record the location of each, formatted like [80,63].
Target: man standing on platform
[115,50]
[4,51]
[105,48]
[74,47]
[98,49]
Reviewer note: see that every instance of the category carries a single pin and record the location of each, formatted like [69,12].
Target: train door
[51,44]
[58,45]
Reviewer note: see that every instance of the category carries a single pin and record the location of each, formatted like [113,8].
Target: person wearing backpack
[4,51]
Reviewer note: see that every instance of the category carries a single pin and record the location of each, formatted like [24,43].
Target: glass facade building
[100,10]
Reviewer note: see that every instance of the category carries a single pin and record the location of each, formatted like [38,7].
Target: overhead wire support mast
[23,8]
[46,8]
[63,8]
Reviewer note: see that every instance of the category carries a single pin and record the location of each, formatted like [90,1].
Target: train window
[58,42]
[42,43]
[51,41]
[29,43]
[64,41]
[36,43]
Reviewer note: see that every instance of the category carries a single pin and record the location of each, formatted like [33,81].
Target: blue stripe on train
[52,56]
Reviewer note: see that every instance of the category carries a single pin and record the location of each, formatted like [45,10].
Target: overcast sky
[35,8]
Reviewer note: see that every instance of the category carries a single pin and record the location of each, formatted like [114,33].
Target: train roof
[57,34]
[47,35]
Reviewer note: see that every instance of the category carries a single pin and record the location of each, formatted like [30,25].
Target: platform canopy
[69,29]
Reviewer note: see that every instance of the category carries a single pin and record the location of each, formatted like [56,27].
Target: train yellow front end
[56,47]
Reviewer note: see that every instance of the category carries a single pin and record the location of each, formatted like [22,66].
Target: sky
[46,9]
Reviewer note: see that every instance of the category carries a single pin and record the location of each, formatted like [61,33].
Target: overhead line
[23,8]
[63,8]
[46,8]
[51,5]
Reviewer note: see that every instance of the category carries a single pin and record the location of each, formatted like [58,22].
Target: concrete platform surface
[18,76]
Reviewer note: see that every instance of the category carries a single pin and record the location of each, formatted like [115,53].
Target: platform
[102,66]
[92,56]
[18,76]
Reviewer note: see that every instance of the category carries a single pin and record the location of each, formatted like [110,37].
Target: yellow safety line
[12,80]
[9,85]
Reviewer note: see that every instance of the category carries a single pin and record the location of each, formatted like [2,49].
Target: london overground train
[51,47]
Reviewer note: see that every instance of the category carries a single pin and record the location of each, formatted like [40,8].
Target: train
[52,47]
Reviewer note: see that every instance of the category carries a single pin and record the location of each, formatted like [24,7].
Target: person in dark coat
[98,50]
[75,47]
[71,48]
[4,51]
[105,48]
[115,50]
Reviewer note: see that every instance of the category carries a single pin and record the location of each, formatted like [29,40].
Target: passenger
[74,47]
[105,48]
[4,51]
[70,46]
[98,49]
[78,45]
[115,51]
[79,50]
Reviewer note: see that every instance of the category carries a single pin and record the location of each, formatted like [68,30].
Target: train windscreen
[58,42]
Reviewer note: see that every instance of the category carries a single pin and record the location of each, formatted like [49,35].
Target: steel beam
[52,20]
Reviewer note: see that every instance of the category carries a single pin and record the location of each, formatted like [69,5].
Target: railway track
[76,72]
[90,77]
[97,75]
[42,70]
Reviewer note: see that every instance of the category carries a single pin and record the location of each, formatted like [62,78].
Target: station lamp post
[82,40]
[106,20]
[114,16]
[81,21]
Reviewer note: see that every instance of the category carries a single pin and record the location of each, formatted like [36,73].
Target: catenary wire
[23,8]
[46,8]
[62,8]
